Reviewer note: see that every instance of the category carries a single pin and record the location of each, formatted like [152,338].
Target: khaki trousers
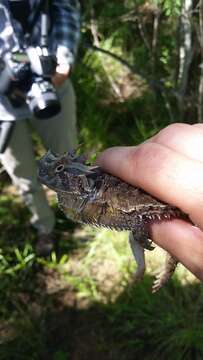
[58,134]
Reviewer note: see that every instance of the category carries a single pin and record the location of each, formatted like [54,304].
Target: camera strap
[43,6]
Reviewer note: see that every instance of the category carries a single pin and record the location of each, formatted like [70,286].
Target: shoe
[45,244]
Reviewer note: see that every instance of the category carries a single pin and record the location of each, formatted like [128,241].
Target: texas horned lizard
[89,195]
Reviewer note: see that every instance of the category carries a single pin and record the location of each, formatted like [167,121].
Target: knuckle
[172,129]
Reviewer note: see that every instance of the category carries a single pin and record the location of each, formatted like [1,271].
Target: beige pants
[59,135]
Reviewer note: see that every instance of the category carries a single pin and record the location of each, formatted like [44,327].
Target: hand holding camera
[61,74]
[27,78]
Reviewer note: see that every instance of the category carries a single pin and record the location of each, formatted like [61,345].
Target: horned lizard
[89,195]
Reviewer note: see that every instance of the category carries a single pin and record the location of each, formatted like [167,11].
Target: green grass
[81,302]
[82,298]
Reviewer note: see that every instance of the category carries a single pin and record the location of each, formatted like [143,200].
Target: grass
[81,302]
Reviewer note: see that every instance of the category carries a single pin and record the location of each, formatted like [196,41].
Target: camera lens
[45,107]
[43,100]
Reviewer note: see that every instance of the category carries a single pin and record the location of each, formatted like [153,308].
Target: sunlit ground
[82,302]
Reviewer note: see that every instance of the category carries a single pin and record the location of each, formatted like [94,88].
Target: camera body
[26,78]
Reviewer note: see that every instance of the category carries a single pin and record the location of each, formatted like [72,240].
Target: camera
[26,78]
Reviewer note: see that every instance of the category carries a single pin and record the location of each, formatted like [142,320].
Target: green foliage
[81,302]
[161,331]
[60,355]
[95,268]
[105,119]
[17,260]
[171,7]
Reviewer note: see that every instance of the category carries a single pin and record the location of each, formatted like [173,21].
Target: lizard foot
[169,268]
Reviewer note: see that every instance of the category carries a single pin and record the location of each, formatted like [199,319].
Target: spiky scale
[89,195]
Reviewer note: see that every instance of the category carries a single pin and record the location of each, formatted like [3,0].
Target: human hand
[169,166]
[61,74]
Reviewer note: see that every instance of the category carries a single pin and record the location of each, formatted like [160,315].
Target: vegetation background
[139,69]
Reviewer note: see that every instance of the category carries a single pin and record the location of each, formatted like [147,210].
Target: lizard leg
[143,237]
[164,276]
[138,253]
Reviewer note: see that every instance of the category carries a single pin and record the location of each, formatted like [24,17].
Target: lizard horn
[50,156]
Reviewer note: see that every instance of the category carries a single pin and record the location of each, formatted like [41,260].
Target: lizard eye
[59,168]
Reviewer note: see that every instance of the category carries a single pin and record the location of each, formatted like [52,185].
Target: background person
[57,133]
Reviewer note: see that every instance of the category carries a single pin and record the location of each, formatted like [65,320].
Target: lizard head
[64,173]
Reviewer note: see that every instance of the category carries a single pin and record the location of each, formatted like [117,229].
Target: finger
[162,172]
[183,138]
[198,126]
[183,241]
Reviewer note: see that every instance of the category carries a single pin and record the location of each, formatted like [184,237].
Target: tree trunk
[185,53]
[200,92]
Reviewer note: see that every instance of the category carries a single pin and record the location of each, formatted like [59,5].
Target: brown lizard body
[89,195]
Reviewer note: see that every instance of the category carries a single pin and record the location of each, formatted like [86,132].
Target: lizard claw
[157,284]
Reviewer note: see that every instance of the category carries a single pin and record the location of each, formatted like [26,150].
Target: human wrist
[64,56]
[63,69]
